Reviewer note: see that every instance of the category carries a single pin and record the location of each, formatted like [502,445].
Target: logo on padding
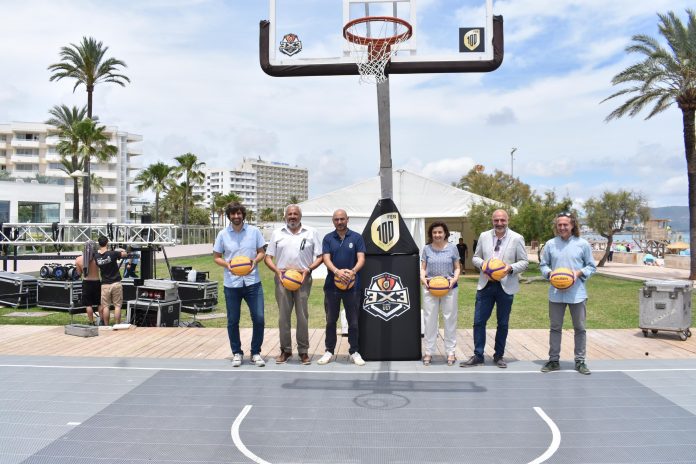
[385,230]
[385,297]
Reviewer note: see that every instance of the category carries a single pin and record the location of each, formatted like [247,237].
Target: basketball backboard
[305,37]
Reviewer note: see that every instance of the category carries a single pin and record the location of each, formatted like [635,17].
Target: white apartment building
[31,202]
[277,182]
[29,149]
[260,184]
[225,181]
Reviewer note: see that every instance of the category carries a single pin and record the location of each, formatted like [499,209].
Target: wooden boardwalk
[202,343]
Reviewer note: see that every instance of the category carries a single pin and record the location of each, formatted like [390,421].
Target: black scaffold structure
[19,241]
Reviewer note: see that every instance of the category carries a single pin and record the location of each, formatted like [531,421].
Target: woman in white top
[440,258]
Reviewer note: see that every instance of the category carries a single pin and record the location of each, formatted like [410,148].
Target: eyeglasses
[497,244]
[564,214]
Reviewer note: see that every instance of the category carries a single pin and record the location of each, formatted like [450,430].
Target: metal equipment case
[153,313]
[666,305]
[17,289]
[130,287]
[61,295]
[198,296]
[158,290]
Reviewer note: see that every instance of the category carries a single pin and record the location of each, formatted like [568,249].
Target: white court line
[234,431]
[555,440]
[550,451]
[357,370]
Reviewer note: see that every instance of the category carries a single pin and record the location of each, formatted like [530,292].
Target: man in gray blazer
[508,246]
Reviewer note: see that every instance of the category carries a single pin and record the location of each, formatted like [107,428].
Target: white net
[373,42]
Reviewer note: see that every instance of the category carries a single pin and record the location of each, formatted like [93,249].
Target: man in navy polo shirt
[241,239]
[344,255]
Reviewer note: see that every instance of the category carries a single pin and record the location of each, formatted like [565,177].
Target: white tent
[420,200]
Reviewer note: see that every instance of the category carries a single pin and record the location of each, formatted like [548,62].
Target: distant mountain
[679,215]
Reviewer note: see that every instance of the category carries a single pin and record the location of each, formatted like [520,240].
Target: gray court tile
[366,417]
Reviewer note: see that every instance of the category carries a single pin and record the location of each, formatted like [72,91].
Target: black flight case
[153,313]
[17,290]
[198,297]
[63,295]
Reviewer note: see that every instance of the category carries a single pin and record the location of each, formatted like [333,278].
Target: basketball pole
[385,160]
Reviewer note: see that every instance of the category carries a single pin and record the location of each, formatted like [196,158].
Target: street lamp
[512,161]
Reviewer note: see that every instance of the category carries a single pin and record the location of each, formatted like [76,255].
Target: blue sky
[197,87]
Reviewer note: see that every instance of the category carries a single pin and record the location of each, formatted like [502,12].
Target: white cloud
[197,86]
[445,170]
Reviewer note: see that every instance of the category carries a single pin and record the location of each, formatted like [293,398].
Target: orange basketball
[562,278]
[495,268]
[292,279]
[342,285]
[438,286]
[240,265]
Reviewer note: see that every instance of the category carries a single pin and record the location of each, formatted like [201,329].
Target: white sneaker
[236,360]
[326,358]
[356,359]
[258,360]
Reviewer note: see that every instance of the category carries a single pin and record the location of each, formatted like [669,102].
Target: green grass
[613,303]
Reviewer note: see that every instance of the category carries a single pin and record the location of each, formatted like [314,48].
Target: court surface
[123,410]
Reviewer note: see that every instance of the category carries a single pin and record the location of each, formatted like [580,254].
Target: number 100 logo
[385,231]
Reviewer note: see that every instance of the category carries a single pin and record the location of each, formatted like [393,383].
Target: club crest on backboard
[290,45]
[471,39]
[386,297]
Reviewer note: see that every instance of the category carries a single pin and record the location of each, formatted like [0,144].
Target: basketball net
[373,42]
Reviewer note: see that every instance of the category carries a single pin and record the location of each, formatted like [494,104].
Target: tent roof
[415,196]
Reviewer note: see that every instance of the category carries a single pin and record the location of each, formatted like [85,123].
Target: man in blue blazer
[508,246]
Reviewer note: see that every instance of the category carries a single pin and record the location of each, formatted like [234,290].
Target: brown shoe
[283,357]
[500,362]
[304,359]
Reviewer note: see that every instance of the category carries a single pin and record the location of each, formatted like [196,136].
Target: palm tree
[64,119]
[190,168]
[93,143]
[42,179]
[267,215]
[178,199]
[665,77]
[220,201]
[85,62]
[156,177]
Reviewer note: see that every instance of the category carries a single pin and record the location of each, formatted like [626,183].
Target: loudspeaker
[147,262]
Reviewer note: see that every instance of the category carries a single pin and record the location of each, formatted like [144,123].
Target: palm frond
[665,76]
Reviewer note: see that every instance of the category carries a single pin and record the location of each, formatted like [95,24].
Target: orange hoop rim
[378,42]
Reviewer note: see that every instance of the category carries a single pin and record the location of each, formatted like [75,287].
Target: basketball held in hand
[241,265]
[494,268]
[438,286]
[562,278]
[292,280]
[342,284]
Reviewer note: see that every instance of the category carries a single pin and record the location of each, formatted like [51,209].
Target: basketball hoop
[374,40]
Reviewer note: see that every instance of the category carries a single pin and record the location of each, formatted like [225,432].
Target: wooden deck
[201,343]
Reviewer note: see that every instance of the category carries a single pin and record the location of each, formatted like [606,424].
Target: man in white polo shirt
[293,246]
